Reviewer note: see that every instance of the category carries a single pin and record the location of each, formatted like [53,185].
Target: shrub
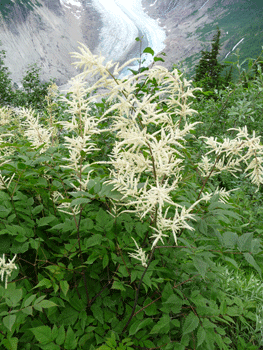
[128,250]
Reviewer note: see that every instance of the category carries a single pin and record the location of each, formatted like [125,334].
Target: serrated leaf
[162,326]
[200,336]
[64,286]
[190,324]
[15,296]
[10,343]
[44,283]
[37,209]
[50,346]
[118,285]
[231,261]
[105,261]
[79,201]
[97,312]
[71,341]
[128,226]
[249,258]
[9,321]
[46,304]
[200,265]
[61,335]
[68,316]
[136,327]
[54,332]
[244,241]
[45,221]
[93,240]
[29,300]
[230,239]
[42,334]
[28,310]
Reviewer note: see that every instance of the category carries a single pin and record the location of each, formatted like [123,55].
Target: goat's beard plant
[152,122]
[147,161]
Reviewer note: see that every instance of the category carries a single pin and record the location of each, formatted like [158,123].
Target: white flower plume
[6,268]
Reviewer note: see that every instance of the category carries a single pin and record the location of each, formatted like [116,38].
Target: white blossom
[6,268]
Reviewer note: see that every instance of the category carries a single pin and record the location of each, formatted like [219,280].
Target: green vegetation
[208,72]
[6,6]
[239,20]
[159,247]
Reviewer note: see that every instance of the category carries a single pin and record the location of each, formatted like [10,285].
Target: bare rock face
[181,19]
[47,35]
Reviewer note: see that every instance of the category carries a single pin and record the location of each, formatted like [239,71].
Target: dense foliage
[123,223]
[209,71]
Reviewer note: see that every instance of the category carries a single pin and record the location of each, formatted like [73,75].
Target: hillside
[46,32]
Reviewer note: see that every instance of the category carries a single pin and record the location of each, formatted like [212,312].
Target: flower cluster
[36,133]
[232,152]
[6,268]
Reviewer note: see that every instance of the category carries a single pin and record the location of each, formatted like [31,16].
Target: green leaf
[14,296]
[54,332]
[200,336]
[230,239]
[28,310]
[148,50]
[50,346]
[78,201]
[118,285]
[151,310]
[93,240]
[135,328]
[71,341]
[158,59]
[44,283]
[231,261]
[200,265]
[68,316]
[9,321]
[97,312]
[128,226]
[46,304]
[244,241]
[249,258]
[42,334]
[162,326]
[174,303]
[64,286]
[190,324]
[10,343]
[29,300]
[105,261]
[37,209]
[45,221]
[61,335]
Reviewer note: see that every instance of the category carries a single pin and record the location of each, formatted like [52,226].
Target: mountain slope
[46,33]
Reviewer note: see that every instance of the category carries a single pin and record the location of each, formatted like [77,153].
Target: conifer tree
[208,72]
[6,91]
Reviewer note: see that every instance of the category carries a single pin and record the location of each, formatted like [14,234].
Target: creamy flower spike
[6,268]
[36,133]
[243,148]
[148,158]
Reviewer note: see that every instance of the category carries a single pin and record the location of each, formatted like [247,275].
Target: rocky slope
[49,32]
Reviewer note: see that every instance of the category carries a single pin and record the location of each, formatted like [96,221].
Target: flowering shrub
[122,251]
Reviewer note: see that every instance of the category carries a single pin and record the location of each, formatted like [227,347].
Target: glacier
[123,21]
